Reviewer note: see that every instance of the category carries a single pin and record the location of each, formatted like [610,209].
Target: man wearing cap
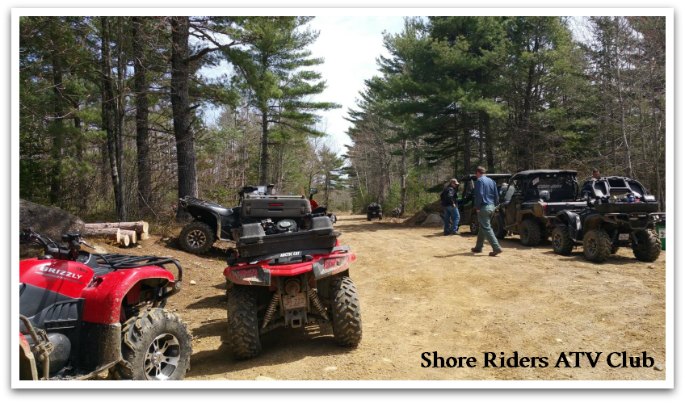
[448,200]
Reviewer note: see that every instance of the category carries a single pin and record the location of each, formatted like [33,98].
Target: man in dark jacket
[486,197]
[448,200]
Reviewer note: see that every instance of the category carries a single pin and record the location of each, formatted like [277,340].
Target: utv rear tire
[156,345]
[596,245]
[243,322]
[196,237]
[530,232]
[561,240]
[345,312]
[648,247]
[498,226]
[474,226]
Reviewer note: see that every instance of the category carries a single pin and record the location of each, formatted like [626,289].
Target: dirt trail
[421,291]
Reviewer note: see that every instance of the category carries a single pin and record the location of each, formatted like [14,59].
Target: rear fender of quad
[261,273]
[104,299]
[570,220]
[208,217]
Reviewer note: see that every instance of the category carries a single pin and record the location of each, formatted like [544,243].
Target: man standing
[588,188]
[448,200]
[486,197]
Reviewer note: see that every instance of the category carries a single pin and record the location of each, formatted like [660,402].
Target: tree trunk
[489,140]
[264,156]
[142,111]
[180,102]
[403,177]
[467,148]
[109,119]
[120,114]
[57,125]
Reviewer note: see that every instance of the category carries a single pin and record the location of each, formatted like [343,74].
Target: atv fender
[104,297]
[572,221]
[208,217]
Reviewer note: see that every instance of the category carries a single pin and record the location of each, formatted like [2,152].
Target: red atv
[82,314]
[284,278]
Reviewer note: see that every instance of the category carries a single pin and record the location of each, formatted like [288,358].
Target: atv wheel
[345,315]
[498,226]
[368,218]
[596,245]
[648,247]
[561,240]
[473,226]
[530,232]
[614,249]
[243,323]
[196,237]
[156,345]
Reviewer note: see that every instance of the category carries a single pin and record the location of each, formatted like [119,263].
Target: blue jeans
[485,230]
[451,218]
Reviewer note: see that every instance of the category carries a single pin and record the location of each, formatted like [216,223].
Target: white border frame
[667,383]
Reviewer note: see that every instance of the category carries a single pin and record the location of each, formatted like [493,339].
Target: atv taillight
[544,208]
[334,262]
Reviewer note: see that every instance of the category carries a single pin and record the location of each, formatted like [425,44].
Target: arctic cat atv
[215,222]
[82,314]
[374,210]
[620,212]
[467,212]
[531,199]
[289,279]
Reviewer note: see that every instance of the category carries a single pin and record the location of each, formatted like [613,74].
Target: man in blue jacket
[486,197]
[448,200]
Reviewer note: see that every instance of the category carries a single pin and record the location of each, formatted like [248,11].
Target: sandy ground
[424,292]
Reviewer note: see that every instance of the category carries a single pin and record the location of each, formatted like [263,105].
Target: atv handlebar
[71,252]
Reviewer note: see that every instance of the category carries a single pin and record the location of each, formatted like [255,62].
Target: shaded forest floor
[421,291]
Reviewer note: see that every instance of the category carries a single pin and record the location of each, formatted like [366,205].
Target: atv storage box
[275,207]
[254,242]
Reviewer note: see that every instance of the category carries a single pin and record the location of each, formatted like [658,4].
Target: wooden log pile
[123,233]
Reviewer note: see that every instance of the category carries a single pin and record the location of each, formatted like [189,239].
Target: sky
[350,46]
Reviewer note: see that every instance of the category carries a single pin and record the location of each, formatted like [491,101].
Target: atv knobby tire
[497,225]
[530,232]
[196,237]
[596,245]
[561,240]
[345,312]
[156,345]
[648,247]
[243,322]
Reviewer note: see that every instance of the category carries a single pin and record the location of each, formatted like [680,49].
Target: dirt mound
[424,213]
[50,221]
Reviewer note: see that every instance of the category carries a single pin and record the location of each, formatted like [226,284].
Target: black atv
[374,210]
[620,212]
[258,204]
[531,199]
